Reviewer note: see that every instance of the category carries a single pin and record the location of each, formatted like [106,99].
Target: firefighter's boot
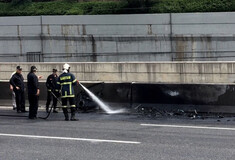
[66,115]
[73,111]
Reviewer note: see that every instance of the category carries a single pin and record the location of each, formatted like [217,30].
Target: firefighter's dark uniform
[51,85]
[17,80]
[33,86]
[66,82]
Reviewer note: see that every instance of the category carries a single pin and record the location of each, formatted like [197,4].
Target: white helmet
[66,68]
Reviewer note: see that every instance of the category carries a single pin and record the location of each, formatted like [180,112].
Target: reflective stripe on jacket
[66,82]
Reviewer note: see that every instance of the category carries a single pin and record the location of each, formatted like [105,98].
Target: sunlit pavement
[118,137]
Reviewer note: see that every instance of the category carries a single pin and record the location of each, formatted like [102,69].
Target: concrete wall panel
[24,20]
[116,38]
[106,29]
[204,29]
[8,30]
[203,18]
[30,30]
[108,19]
[161,72]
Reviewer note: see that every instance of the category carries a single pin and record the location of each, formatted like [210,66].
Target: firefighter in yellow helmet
[66,83]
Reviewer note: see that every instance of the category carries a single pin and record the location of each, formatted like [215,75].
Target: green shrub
[49,8]
[18,2]
[71,7]
[103,8]
[181,6]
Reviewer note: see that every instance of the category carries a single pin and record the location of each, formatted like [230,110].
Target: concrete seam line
[190,127]
[69,138]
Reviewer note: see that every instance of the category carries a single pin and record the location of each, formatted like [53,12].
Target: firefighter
[51,85]
[33,92]
[17,82]
[66,83]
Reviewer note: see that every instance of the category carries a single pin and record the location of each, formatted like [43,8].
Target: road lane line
[69,138]
[190,127]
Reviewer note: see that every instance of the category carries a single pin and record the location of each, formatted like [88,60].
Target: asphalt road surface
[115,137]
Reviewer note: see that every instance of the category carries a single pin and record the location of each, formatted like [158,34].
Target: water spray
[105,107]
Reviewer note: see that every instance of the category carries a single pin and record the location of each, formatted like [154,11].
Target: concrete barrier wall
[136,96]
[203,36]
[151,72]
[118,38]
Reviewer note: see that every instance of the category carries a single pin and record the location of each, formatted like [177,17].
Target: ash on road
[115,137]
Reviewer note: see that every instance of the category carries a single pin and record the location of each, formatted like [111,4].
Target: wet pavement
[120,137]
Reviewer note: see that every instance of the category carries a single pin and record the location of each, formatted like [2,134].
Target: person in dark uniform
[13,97]
[66,82]
[17,82]
[33,92]
[51,85]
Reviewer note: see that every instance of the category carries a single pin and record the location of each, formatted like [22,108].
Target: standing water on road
[106,108]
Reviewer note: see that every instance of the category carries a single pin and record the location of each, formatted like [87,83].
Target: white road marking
[190,127]
[69,138]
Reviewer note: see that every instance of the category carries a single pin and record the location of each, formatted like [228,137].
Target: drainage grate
[34,57]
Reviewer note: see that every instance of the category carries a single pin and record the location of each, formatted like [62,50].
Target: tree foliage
[72,7]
